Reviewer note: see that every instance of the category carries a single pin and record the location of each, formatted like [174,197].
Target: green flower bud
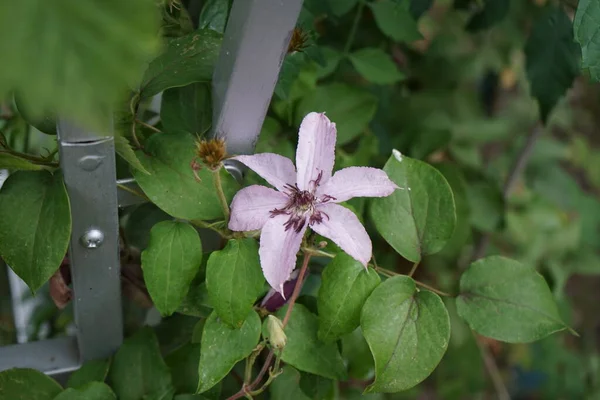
[277,336]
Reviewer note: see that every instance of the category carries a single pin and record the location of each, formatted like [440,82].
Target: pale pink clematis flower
[305,198]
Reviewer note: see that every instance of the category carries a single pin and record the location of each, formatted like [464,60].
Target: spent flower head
[305,197]
[211,152]
[298,41]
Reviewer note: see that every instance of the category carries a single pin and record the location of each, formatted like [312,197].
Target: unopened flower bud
[211,152]
[277,336]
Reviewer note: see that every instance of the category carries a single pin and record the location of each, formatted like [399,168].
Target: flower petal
[357,182]
[316,149]
[344,228]
[274,300]
[278,249]
[251,206]
[275,169]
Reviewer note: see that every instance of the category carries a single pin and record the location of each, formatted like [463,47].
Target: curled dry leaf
[59,283]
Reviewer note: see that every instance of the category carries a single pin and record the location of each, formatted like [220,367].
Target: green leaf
[187,108]
[90,371]
[170,263]
[91,391]
[332,60]
[9,161]
[196,303]
[408,332]
[138,370]
[27,384]
[35,225]
[287,386]
[186,60]
[222,347]
[419,218]
[376,66]
[493,11]
[183,363]
[586,26]
[124,149]
[234,280]
[45,123]
[419,7]
[304,350]
[271,140]
[190,397]
[316,387]
[462,231]
[172,185]
[487,205]
[394,19]
[345,286]
[349,107]
[341,7]
[214,15]
[289,73]
[357,356]
[140,221]
[508,301]
[551,56]
[175,331]
[90,53]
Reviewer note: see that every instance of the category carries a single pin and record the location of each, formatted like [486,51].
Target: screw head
[92,239]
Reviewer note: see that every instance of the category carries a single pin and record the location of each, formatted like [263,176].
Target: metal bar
[88,164]
[53,356]
[254,46]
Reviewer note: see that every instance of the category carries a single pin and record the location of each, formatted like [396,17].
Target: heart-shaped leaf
[170,263]
[419,218]
[35,225]
[345,286]
[408,332]
[506,300]
[234,280]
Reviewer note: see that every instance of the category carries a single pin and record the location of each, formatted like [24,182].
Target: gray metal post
[88,163]
[254,46]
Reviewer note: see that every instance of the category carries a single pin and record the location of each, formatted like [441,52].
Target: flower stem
[249,389]
[220,194]
[389,274]
[34,159]
[413,269]
[214,227]
[132,191]
[152,128]
[352,34]
[297,288]
[133,108]
[490,365]
[316,252]
[432,289]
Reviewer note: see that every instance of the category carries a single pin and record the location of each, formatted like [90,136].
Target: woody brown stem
[249,388]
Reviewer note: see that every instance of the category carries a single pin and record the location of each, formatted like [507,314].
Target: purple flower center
[301,206]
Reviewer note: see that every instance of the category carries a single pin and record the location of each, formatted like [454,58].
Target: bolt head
[92,239]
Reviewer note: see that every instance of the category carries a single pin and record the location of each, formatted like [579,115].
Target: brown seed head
[211,152]
[298,41]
